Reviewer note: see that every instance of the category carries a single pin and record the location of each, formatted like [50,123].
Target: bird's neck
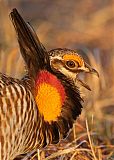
[49,95]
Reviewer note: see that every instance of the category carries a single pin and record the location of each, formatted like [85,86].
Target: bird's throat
[50,96]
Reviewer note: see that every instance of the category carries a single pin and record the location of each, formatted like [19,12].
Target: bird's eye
[71,64]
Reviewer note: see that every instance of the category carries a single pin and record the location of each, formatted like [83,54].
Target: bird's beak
[87,69]
[91,70]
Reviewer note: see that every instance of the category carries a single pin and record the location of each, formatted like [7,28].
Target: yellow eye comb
[74,57]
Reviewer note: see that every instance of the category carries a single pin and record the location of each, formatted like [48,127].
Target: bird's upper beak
[88,69]
[91,70]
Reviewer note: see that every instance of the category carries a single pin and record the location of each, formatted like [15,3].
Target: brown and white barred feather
[19,119]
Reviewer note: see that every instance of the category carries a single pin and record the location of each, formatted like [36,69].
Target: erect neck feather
[50,95]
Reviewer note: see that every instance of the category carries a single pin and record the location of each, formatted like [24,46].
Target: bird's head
[70,64]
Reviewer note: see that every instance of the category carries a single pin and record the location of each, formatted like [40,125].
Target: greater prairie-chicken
[40,108]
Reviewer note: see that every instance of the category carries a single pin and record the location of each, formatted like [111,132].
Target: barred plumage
[40,108]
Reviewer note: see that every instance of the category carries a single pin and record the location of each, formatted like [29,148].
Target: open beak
[87,69]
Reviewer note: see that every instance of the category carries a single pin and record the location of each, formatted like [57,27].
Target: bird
[40,108]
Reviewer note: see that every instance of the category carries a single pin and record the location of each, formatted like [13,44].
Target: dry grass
[90,28]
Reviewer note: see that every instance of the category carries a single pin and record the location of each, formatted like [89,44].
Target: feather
[33,52]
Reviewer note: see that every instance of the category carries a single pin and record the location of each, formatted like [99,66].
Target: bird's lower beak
[87,69]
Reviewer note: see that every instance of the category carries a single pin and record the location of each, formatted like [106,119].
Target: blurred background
[87,25]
